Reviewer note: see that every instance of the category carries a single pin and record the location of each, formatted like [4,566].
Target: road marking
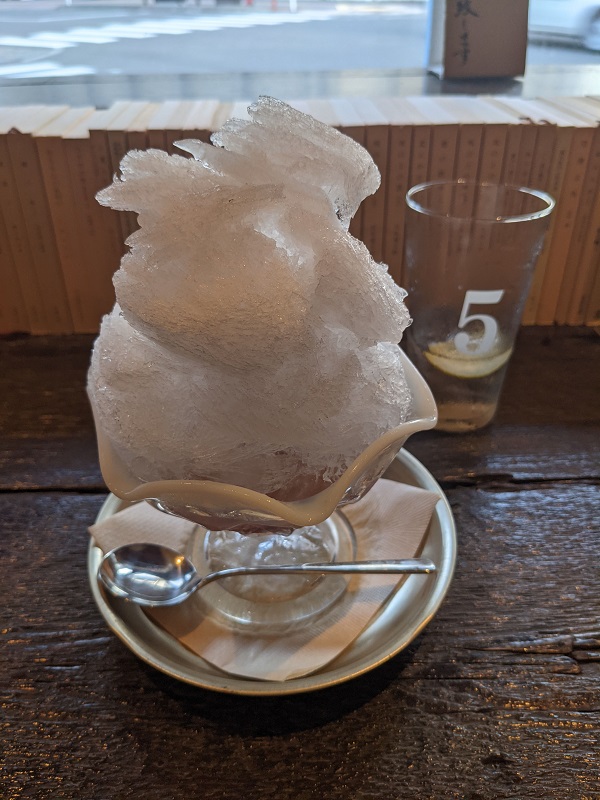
[38,69]
[370,8]
[74,37]
[20,41]
[144,29]
[124,32]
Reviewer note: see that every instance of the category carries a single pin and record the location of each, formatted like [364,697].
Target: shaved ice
[254,340]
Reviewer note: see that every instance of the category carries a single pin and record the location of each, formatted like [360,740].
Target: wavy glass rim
[541,195]
[213,496]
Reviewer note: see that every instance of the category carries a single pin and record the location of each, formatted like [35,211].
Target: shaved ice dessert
[254,340]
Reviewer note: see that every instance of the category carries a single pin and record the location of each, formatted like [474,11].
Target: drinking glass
[471,249]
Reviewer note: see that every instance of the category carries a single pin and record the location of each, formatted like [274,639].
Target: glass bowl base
[272,604]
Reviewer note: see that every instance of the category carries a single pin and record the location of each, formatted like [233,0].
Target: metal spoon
[152,575]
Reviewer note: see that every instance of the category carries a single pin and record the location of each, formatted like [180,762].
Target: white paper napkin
[389,522]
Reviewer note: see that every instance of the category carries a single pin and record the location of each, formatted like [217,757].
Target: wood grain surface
[498,698]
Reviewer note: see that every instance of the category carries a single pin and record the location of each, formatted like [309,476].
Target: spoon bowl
[153,575]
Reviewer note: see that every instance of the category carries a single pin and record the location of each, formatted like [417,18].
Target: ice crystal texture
[254,340]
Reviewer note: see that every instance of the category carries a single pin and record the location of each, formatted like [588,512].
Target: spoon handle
[405,566]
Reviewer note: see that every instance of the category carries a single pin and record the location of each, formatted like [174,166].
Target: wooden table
[498,698]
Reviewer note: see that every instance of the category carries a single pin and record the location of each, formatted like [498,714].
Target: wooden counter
[498,698]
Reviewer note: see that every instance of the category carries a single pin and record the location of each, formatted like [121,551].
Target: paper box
[477,38]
